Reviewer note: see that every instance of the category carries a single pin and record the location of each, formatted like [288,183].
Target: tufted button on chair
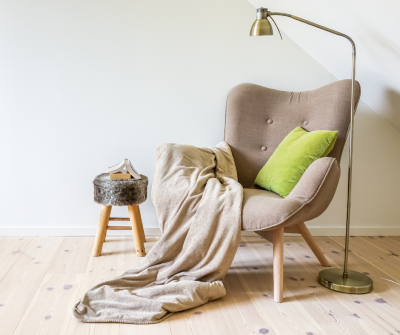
[264,212]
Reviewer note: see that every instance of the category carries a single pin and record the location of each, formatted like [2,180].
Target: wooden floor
[41,278]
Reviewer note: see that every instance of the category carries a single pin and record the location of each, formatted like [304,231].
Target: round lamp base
[356,282]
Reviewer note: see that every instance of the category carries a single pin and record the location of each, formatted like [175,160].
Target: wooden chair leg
[278,263]
[101,230]
[137,229]
[312,244]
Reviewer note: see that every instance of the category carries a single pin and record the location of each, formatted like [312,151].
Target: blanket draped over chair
[198,201]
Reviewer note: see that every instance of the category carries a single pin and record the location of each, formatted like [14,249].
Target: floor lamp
[345,280]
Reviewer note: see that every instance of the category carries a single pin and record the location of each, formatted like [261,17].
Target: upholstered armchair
[257,120]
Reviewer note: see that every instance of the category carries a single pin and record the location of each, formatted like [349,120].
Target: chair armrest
[318,185]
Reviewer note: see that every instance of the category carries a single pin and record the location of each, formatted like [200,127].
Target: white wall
[373,25]
[84,84]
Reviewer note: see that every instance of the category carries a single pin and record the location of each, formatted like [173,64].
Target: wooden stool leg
[137,229]
[101,230]
[278,264]
[142,231]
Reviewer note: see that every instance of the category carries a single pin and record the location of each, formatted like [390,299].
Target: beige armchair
[257,119]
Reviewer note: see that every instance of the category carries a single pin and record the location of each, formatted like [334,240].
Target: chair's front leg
[278,263]
[312,244]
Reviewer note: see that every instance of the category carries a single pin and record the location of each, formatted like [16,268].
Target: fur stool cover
[122,192]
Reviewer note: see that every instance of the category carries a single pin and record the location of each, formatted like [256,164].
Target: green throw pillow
[292,157]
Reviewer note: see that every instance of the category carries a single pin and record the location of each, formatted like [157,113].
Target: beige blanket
[198,202]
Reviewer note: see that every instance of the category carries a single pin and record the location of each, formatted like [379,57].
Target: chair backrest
[257,119]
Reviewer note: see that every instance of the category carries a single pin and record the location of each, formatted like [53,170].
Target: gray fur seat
[122,192]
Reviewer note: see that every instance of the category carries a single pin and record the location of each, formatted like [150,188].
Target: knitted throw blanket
[198,202]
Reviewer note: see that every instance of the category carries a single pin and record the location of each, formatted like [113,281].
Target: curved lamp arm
[345,272]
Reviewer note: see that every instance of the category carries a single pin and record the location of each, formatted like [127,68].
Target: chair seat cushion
[263,209]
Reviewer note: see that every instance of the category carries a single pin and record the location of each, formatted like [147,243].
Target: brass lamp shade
[261,26]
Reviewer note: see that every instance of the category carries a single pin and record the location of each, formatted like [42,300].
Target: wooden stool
[125,192]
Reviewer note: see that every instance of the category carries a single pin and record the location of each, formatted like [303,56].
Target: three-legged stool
[124,192]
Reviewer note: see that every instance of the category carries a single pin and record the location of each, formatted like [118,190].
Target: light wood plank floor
[41,278]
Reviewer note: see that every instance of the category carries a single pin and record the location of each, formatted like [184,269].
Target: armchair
[256,120]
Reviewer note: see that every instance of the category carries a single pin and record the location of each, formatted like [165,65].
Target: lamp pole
[345,280]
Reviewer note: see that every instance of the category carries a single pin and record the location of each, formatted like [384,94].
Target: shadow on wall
[385,52]
[385,44]
[392,107]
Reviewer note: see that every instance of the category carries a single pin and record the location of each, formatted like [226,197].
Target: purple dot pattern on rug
[380,301]
[49,289]
[197,313]
[307,256]
[263,331]
[47,317]
[67,287]
[357,302]
[242,245]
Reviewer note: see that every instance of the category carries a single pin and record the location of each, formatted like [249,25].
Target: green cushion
[292,157]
